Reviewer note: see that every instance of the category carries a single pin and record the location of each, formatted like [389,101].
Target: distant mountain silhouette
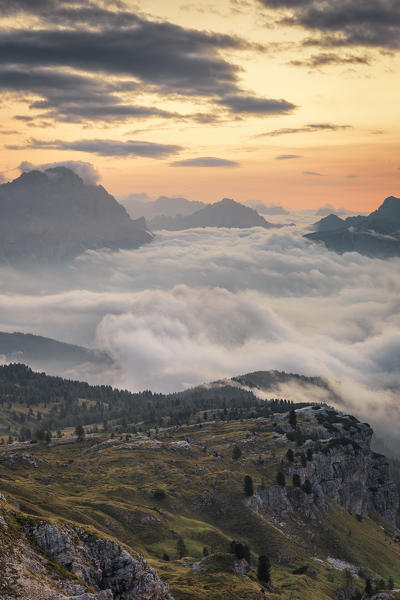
[329,223]
[375,235]
[54,215]
[226,213]
[163,206]
[46,354]
[272,209]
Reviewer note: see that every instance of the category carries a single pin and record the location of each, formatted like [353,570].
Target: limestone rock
[101,563]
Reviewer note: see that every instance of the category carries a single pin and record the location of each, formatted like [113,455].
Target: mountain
[164,206]
[329,223]
[226,213]
[52,356]
[54,215]
[265,209]
[220,495]
[375,235]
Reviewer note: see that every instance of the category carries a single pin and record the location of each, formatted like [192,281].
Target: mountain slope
[176,496]
[54,215]
[52,356]
[376,235]
[226,213]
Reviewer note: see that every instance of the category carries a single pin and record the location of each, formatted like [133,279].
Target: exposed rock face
[377,234]
[54,215]
[343,470]
[101,563]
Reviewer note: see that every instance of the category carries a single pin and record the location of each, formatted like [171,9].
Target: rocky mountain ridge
[375,235]
[42,559]
[340,468]
[226,213]
[54,215]
[319,498]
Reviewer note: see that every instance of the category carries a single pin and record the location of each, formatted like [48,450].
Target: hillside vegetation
[176,494]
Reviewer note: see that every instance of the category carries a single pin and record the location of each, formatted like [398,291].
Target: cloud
[173,58]
[205,161]
[85,170]
[352,176]
[71,97]
[367,23]
[312,128]
[88,69]
[313,173]
[251,105]
[106,147]
[325,58]
[287,156]
[199,305]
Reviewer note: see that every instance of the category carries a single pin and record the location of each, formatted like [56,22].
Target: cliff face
[54,215]
[341,468]
[65,562]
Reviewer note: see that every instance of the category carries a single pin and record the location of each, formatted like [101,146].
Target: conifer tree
[248,486]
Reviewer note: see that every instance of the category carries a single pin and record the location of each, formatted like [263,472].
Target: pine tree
[280,479]
[293,418]
[263,569]
[181,547]
[248,486]
[80,433]
[307,487]
[236,453]
[290,455]
[368,587]
[296,480]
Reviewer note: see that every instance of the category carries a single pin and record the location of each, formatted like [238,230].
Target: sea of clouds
[199,305]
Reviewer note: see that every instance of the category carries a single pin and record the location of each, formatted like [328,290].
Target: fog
[199,305]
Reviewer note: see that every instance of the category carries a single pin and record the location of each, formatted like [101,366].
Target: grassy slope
[111,489]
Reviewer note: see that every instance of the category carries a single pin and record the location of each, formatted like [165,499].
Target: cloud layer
[199,305]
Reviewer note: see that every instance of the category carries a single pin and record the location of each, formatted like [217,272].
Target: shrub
[240,550]
[290,455]
[236,453]
[159,494]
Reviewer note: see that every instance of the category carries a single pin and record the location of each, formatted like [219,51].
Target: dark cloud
[164,55]
[70,97]
[352,176]
[287,156]
[313,174]
[79,71]
[106,147]
[312,128]
[368,23]
[330,58]
[205,161]
[247,104]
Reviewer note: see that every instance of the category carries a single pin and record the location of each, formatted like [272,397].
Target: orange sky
[354,164]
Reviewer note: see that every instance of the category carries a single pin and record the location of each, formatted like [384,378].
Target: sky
[293,102]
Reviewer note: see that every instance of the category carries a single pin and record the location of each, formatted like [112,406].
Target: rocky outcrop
[101,563]
[375,235]
[340,468]
[55,215]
